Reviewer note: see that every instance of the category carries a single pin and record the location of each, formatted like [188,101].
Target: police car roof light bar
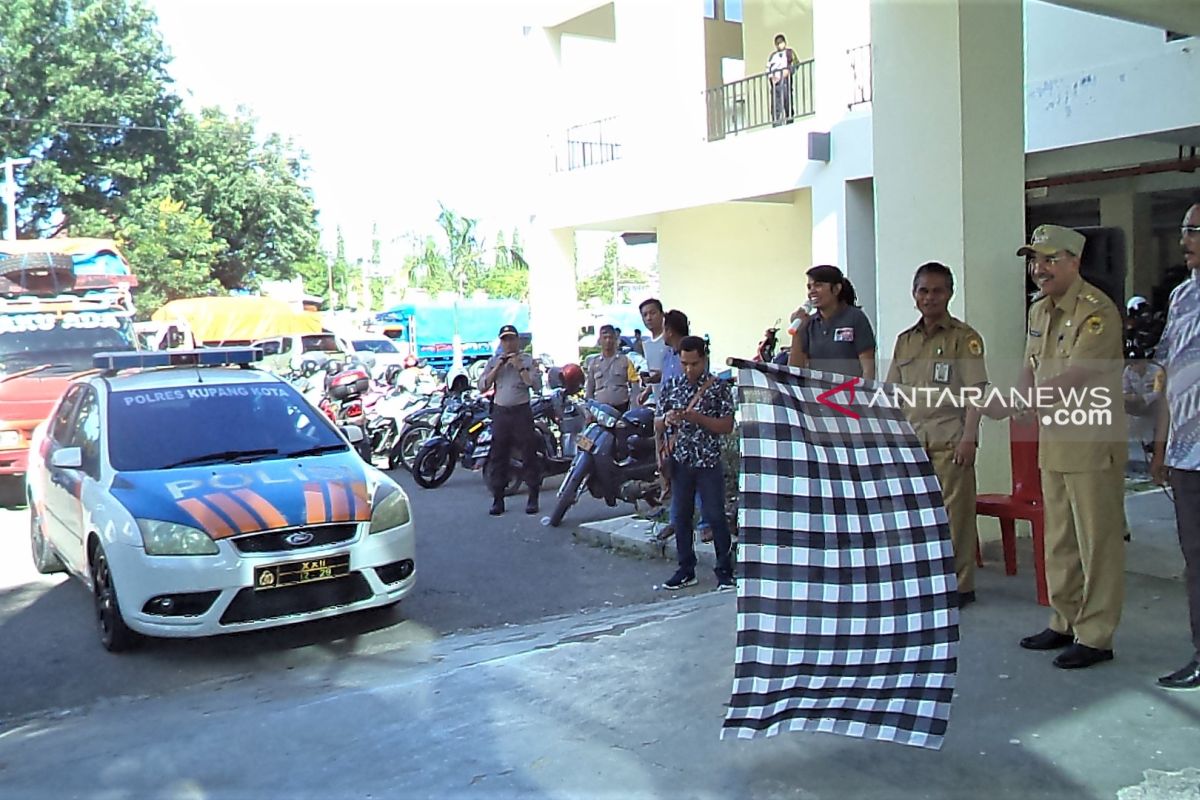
[202,357]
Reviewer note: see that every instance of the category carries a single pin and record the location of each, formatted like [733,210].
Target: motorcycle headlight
[171,539]
[390,511]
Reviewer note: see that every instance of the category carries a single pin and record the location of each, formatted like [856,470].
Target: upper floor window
[733,10]
[710,9]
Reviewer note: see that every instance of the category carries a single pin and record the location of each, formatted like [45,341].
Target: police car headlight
[390,511]
[171,539]
[10,438]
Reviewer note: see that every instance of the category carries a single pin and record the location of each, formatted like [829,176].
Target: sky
[398,104]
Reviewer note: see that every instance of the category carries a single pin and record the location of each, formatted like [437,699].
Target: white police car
[202,497]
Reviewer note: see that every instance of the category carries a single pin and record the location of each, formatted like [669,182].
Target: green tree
[254,195]
[457,260]
[340,271]
[170,248]
[97,62]
[606,284]
[501,257]
[427,268]
[506,282]
[315,274]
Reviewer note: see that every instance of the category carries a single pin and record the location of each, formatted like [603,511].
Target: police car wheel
[45,560]
[115,635]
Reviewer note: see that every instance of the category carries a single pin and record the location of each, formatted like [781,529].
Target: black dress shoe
[1048,639]
[531,505]
[1080,656]
[966,598]
[497,507]
[1186,678]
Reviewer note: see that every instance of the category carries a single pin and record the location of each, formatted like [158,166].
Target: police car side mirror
[354,434]
[67,458]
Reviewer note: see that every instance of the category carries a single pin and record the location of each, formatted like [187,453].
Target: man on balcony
[779,69]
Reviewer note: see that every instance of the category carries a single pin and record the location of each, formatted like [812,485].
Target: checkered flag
[847,613]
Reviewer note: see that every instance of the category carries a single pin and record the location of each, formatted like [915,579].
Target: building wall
[721,40]
[1090,78]
[735,269]
[661,70]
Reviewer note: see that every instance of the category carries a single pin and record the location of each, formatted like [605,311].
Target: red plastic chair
[1025,502]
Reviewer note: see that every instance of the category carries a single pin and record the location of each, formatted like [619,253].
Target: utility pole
[10,195]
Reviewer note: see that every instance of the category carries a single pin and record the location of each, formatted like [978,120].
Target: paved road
[475,572]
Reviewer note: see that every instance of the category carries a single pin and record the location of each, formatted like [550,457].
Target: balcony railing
[589,144]
[860,75]
[758,101]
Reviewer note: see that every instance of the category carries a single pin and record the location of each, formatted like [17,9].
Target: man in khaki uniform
[610,376]
[941,356]
[1073,362]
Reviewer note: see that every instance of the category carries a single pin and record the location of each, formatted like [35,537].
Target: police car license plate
[290,574]
[584,443]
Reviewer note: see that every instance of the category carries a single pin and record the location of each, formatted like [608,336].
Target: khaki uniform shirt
[941,364]
[609,378]
[511,389]
[1083,329]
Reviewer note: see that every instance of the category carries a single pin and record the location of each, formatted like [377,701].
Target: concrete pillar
[948,130]
[1131,212]
[553,315]
[861,262]
[544,79]
[843,223]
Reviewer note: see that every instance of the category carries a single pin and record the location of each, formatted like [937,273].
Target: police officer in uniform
[1073,361]
[942,356]
[610,375]
[513,374]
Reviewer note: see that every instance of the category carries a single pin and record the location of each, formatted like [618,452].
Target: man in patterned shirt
[1177,438]
[695,411]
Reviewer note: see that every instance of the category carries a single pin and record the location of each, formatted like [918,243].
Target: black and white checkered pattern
[847,613]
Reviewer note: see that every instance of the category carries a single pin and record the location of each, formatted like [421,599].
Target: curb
[633,536]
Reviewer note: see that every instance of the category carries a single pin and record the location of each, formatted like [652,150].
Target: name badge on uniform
[941,372]
[843,334]
[1033,332]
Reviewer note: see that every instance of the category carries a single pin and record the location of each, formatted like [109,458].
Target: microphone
[809,309]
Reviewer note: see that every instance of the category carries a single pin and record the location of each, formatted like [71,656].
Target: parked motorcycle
[420,424]
[614,459]
[455,438]
[343,402]
[389,415]
[766,347]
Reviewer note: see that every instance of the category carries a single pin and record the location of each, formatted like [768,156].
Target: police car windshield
[66,340]
[163,428]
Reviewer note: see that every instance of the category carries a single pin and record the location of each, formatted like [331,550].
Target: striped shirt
[1179,351]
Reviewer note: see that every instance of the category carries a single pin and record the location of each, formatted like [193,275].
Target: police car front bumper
[188,596]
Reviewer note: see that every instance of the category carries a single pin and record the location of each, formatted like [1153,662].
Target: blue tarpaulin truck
[428,328]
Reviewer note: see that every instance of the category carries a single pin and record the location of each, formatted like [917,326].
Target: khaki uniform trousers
[958,493]
[1085,552]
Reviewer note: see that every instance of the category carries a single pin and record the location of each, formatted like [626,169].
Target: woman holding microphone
[830,332]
